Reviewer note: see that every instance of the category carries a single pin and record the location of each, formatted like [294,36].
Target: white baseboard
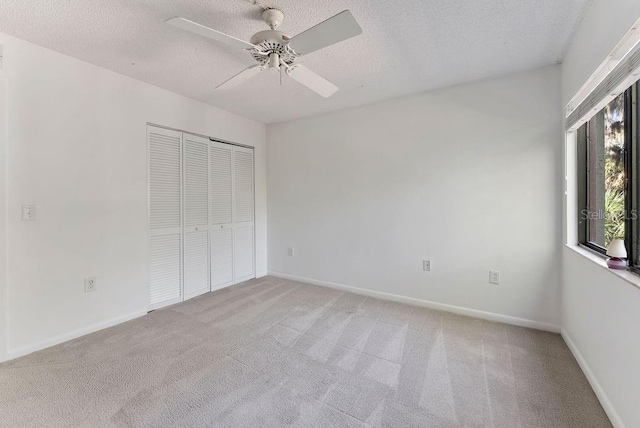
[426,303]
[595,385]
[25,350]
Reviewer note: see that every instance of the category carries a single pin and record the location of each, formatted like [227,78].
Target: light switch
[494,277]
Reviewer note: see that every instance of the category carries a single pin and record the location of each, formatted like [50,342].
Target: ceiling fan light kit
[274,50]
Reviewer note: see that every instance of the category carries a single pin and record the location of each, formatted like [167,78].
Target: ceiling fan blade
[240,78]
[201,30]
[312,81]
[341,27]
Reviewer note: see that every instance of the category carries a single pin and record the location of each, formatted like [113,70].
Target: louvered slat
[196,215]
[221,189]
[164,181]
[196,185]
[165,269]
[196,263]
[243,185]
[221,257]
[243,253]
[165,216]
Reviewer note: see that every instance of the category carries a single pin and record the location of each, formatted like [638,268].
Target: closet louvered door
[221,185]
[243,208]
[196,215]
[165,216]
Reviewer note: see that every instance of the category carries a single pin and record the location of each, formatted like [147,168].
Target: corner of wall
[593,380]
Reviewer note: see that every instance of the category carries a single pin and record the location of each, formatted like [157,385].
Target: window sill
[601,260]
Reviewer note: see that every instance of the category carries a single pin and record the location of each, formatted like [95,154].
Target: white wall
[3,221]
[603,26]
[601,316]
[77,149]
[468,177]
[600,311]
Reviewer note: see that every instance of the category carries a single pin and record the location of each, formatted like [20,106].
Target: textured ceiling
[407,46]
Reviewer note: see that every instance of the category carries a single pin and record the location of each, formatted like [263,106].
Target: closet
[201,215]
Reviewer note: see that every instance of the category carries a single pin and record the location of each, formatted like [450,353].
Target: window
[609,174]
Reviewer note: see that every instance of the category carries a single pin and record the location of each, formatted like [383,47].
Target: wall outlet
[426,265]
[90,284]
[29,212]
[291,251]
[494,277]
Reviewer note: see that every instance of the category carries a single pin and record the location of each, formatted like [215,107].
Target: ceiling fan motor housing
[269,42]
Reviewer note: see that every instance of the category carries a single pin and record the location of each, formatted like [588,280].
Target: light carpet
[273,352]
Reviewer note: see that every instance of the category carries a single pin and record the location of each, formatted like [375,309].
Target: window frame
[631,162]
[632,171]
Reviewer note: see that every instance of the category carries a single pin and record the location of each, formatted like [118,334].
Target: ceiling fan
[274,50]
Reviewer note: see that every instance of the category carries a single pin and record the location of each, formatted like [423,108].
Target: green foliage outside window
[614,170]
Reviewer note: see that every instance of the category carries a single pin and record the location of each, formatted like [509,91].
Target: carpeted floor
[272,352]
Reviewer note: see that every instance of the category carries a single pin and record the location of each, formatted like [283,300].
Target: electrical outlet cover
[90,284]
[29,212]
